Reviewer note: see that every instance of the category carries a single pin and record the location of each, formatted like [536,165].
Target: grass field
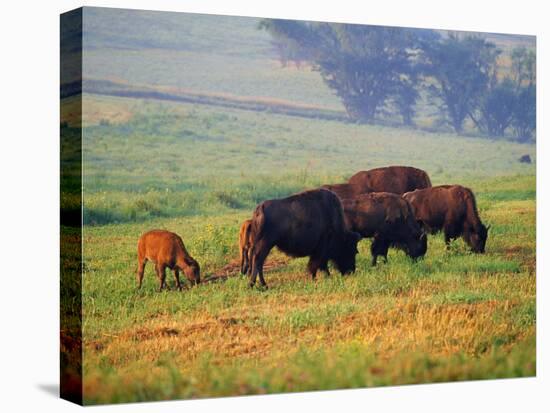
[451,316]
[199,171]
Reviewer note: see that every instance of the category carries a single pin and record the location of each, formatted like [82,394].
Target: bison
[387,218]
[166,250]
[308,224]
[344,191]
[451,208]
[394,179]
[244,245]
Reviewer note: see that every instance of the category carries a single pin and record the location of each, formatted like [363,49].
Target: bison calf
[244,245]
[166,250]
[309,224]
[387,218]
[451,208]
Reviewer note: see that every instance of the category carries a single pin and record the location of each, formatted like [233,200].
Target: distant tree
[293,40]
[461,69]
[510,101]
[524,122]
[367,66]
[405,98]
[524,76]
[523,66]
[496,108]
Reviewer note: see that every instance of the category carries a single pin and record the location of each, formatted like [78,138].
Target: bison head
[477,238]
[417,246]
[345,252]
[417,240]
[193,272]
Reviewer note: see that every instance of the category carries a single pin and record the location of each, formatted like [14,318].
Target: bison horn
[488,227]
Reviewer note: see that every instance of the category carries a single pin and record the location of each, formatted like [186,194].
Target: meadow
[199,171]
[178,159]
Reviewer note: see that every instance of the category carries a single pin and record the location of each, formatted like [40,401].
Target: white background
[29,202]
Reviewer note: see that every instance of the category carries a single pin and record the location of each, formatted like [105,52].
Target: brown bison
[451,208]
[166,250]
[309,224]
[244,245]
[387,218]
[344,191]
[394,179]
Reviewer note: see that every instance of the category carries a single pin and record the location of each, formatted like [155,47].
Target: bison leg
[449,236]
[177,278]
[451,231]
[258,256]
[241,261]
[374,248]
[261,274]
[161,274]
[312,267]
[318,260]
[244,261]
[324,267]
[447,241]
[379,247]
[253,274]
[141,271]
[315,264]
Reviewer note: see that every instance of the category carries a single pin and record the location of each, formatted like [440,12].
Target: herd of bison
[396,206]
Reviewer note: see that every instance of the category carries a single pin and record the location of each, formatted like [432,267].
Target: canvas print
[256,206]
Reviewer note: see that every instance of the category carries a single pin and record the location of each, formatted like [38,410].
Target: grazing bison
[244,245]
[309,224]
[451,208]
[344,191]
[387,218]
[394,179]
[166,249]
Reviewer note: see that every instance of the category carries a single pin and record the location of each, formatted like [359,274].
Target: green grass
[453,315]
[199,171]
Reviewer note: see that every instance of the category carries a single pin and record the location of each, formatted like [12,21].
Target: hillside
[205,54]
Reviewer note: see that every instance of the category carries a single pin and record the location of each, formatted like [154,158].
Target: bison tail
[258,223]
[256,232]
